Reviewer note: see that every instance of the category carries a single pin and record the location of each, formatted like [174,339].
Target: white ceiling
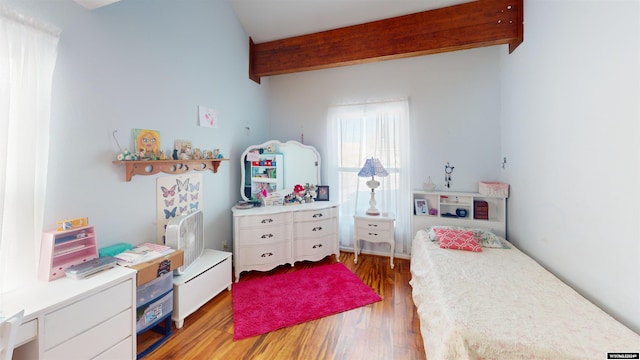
[266,20]
[94,4]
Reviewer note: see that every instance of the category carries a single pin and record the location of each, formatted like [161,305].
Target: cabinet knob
[267,236]
[266,254]
[317,246]
[317,228]
[373,225]
[317,215]
[373,234]
[264,221]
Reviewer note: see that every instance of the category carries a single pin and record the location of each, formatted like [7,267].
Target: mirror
[276,166]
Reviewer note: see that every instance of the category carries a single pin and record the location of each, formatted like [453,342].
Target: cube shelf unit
[61,249]
[448,202]
[265,172]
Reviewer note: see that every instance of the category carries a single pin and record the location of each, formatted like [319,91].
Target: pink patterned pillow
[457,239]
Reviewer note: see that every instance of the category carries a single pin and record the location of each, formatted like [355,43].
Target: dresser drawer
[65,323]
[373,225]
[95,340]
[265,254]
[27,332]
[313,215]
[265,235]
[314,248]
[313,229]
[122,350]
[263,220]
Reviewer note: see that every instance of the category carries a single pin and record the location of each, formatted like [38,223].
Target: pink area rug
[275,302]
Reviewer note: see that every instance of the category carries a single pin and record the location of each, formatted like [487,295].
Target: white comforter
[501,304]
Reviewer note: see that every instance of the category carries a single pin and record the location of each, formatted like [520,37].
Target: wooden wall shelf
[150,167]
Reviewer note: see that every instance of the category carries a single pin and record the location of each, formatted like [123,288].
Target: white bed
[501,304]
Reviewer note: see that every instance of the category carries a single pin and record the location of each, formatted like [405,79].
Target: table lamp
[372,167]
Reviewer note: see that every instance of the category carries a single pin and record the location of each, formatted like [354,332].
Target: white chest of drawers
[266,237]
[91,318]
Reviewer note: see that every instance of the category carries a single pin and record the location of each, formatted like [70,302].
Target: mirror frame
[279,145]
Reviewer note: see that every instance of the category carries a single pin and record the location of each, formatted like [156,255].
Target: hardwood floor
[388,329]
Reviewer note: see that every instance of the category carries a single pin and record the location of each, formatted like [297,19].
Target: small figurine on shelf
[175,154]
[186,155]
[197,154]
[162,156]
[125,155]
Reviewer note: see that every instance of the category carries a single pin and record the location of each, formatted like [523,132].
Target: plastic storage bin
[154,288]
[150,314]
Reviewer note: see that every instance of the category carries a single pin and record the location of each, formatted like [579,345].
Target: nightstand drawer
[372,235]
[373,224]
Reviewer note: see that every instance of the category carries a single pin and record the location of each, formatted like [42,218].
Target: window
[27,59]
[358,132]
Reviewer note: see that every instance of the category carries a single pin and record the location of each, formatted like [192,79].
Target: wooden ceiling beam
[465,26]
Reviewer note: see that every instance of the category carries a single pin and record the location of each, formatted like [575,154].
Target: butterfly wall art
[175,196]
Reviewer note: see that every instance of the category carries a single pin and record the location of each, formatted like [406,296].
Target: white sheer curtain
[355,133]
[28,51]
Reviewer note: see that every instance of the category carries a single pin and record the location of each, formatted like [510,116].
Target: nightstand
[374,229]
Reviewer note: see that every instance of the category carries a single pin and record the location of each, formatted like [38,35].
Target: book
[137,255]
[162,249]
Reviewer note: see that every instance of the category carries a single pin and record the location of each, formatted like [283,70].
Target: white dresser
[266,237]
[91,318]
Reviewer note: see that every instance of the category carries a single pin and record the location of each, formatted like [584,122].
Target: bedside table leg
[393,250]
[355,250]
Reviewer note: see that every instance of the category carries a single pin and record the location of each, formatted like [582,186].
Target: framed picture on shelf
[146,142]
[183,147]
[422,207]
[323,193]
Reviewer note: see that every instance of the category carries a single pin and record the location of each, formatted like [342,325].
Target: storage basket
[148,315]
[493,189]
[429,185]
[154,288]
[480,210]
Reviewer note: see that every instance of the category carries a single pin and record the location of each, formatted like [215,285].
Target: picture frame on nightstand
[421,207]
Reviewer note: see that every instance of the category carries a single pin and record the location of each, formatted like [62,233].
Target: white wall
[143,64]
[454,105]
[570,98]
[566,103]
